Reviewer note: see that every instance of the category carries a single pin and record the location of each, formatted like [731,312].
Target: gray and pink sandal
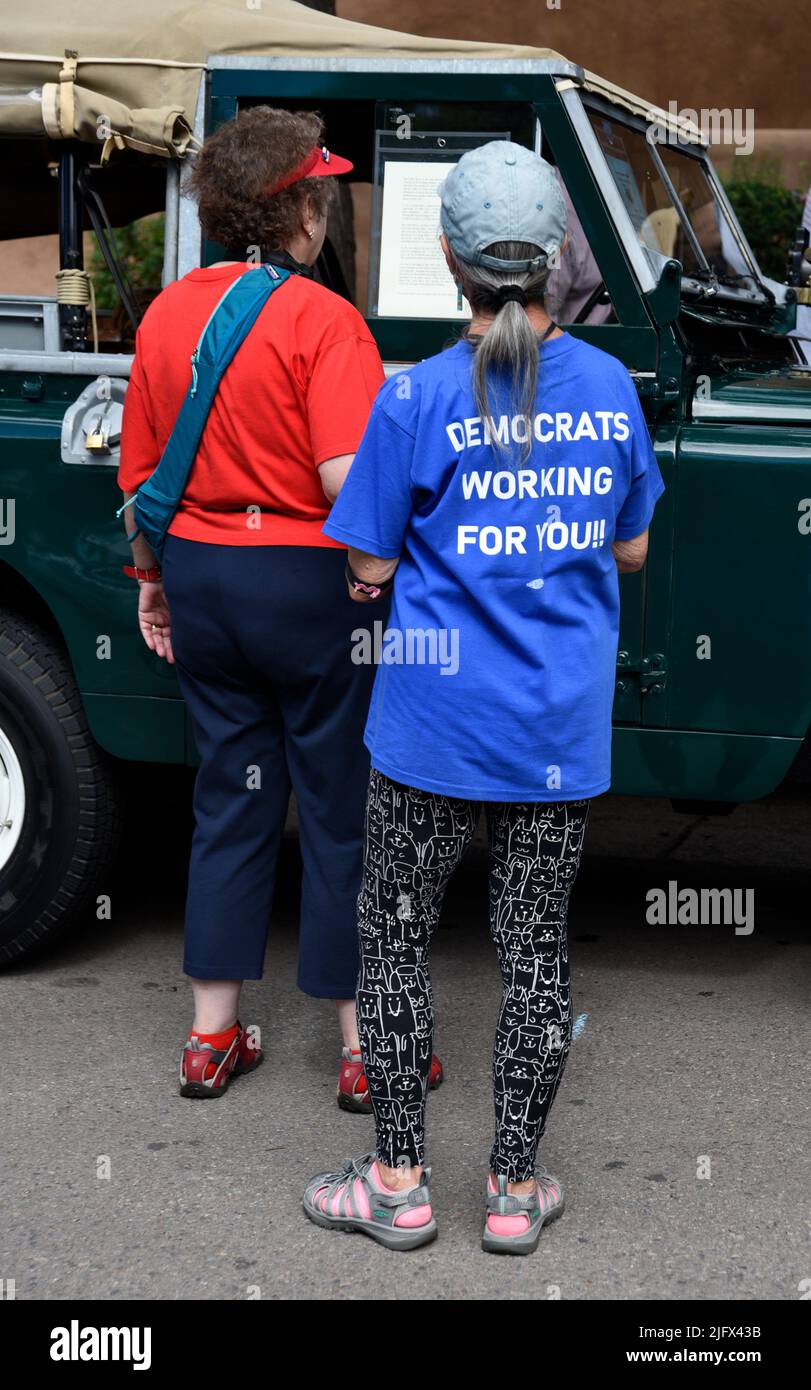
[357,1200]
[513,1224]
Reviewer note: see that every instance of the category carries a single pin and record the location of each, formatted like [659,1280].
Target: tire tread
[44,662]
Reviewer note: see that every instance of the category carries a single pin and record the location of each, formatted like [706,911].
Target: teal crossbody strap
[157,499]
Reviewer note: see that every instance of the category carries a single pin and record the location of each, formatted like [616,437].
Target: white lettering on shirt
[544,427]
[563,481]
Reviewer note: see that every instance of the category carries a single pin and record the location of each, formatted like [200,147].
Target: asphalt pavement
[681,1131]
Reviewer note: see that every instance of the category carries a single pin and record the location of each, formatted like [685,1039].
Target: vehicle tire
[58,808]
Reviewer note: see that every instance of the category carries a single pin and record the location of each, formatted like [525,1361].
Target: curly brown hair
[240,161]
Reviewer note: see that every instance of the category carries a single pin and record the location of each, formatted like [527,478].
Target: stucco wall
[735,53]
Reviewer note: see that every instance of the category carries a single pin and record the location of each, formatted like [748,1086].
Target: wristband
[371,590]
[143,576]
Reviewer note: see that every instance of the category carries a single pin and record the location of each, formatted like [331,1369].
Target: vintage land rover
[713,694]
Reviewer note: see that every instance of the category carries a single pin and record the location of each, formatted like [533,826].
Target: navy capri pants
[263,639]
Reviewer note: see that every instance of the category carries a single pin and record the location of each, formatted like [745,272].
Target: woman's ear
[449,256]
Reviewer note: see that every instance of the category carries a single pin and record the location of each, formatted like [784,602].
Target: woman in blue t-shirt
[506,481]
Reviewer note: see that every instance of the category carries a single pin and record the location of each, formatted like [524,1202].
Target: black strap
[276,256]
[105,237]
[383,587]
[475,338]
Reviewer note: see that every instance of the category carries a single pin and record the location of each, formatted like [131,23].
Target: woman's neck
[537,315]
[233,259]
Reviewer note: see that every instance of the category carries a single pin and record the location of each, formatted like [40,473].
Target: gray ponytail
[510,344]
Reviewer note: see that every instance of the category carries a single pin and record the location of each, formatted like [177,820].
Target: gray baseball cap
[502,192]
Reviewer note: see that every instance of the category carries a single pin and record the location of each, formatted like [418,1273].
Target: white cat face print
[414,842]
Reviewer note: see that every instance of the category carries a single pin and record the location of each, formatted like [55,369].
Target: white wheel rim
[12,800]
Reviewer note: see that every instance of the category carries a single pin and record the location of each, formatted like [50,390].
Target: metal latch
[91,428]
[651,671]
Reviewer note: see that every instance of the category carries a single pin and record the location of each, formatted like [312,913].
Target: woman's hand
[154,620]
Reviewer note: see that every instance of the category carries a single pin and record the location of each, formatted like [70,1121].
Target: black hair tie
[507,293]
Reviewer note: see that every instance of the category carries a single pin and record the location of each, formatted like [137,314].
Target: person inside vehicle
[575,277]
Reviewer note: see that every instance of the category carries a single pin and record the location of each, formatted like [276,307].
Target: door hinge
[650,672]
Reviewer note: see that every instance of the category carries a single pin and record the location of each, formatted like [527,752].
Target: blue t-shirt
[497,666]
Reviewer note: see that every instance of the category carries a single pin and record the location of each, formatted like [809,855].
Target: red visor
[314,165]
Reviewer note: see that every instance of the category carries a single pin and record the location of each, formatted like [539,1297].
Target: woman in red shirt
[264,659]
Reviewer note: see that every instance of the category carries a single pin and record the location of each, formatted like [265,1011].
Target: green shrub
[769,215]
[140,247]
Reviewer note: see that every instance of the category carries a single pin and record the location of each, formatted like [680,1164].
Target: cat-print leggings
[414,841]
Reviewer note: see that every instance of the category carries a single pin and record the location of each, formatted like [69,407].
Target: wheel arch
[20,595]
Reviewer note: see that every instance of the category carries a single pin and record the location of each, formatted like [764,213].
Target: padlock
[95,440]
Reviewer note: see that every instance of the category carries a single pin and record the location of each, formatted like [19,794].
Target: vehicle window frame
[588,102]
[233,78]
[573,102]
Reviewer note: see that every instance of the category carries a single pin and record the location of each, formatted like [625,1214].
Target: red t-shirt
[298,392]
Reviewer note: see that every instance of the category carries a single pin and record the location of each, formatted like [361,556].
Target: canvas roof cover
[135,74]
[144,79]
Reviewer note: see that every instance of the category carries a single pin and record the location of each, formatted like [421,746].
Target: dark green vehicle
[713,696]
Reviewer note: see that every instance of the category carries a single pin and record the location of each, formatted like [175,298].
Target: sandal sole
[197,1090]
[389,1237]
[352,1105]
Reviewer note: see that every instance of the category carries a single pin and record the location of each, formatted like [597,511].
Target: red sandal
[206,1072]
[353,1090]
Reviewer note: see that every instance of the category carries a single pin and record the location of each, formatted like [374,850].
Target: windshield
[697,233]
